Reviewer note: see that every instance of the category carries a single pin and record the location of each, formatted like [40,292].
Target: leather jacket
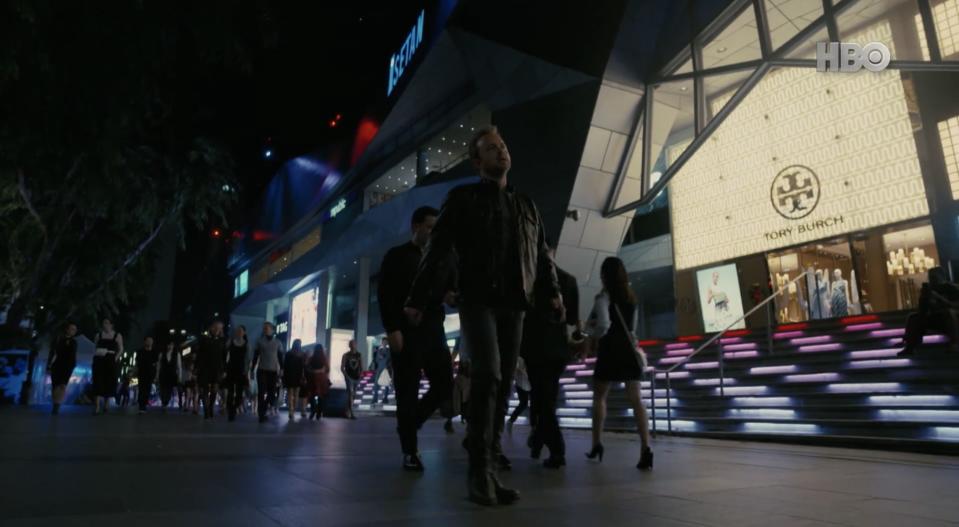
[481,234]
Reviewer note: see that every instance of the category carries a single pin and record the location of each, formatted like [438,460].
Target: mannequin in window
[839,302]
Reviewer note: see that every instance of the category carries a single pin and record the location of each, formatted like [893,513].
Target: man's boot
[504,495]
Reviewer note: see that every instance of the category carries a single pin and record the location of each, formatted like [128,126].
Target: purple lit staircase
[828,382]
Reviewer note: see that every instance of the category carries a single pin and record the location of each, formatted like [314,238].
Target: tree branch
[132,257]
[25,194]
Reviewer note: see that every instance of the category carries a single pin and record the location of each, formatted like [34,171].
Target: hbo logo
[844,57]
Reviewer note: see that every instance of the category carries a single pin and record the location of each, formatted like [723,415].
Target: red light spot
[338,117]
[332,124]
[738,333]
[365,132]
[216,233]
[858,319]
[690,338]
[649,343]
[793,327]
[259,236]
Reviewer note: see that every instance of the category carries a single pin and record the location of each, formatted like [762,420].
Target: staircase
[831,382]
[828,382]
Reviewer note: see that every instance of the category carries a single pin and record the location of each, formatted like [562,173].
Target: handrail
[685,360]
[738,320]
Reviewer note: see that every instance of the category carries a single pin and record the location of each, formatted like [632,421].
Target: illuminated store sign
[338,208]
[303,315]
[402,58]
[805,156]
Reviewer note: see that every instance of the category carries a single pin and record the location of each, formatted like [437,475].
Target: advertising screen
[339,345]
[719,298]
[303,317]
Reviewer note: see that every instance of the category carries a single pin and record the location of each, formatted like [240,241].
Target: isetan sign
[402,58]
[804,157]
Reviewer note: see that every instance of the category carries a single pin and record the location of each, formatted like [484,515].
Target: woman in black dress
[294,377]
[63,358]
[616,360]
[109,348]
[210,356]
[238,356]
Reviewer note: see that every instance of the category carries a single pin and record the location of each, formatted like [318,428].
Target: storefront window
[895,23]
[829,289]
[910,253]
[788,17]
[737,42]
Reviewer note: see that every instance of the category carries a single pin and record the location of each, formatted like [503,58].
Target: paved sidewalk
[176,470]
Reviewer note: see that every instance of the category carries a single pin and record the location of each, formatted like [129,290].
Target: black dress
[294,370]
[237,369]
[210,356]
[63,361]
[616,359]
[105,367]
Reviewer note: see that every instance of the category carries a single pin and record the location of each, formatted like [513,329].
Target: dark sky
[328,58]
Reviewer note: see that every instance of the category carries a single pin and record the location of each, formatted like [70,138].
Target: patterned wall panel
[851,131]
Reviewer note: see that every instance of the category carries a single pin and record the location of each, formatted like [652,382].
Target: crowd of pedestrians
[485,253]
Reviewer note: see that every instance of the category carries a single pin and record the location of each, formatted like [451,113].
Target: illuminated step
[741,347]
[571,412]
[918,415]
[674,375]
[781,428]
[584,373]
[818,339]
[864,387]
[813,377]
[895,332]
[713,382]
[881,363]
[944,433]
[574,387]
[730,340]
[762,401]
[679,352]
[575,422]
[761,413]
[787,335]
[908,400]
[874,354]
[741,354]
[864,327]
[769,370]
[820,347]
[679,425]
[743,390]
[678,345]
[701,365]
[671,360]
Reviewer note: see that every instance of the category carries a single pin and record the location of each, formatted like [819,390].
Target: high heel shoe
[645,459]
[596,452]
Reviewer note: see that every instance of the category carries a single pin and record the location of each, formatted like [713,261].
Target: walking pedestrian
[147,359]
[109,347]
[521,380]
[546,353]
[495,239]
[169,376]
[415,348]
[60,364]
[351,366]
[617,360]
[210,354]
[266,362]
[294,378]
[238,358]
[188,374]
[382,363]
[319,375]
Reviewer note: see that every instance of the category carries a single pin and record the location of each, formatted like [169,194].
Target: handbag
[633,342]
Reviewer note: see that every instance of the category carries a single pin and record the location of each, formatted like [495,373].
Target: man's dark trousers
[492,336]
[424,350]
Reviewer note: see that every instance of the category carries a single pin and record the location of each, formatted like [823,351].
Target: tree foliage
[106,141]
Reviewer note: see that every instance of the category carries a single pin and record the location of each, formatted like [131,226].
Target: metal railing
[709,342]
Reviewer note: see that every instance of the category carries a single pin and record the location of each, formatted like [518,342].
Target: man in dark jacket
[210,356]
[494,236]
[938,309]
[414,348]
[546,352]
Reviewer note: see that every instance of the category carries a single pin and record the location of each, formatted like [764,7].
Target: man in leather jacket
[494,237]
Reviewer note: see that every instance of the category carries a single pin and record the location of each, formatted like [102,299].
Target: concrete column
[324,298]
[363,308]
